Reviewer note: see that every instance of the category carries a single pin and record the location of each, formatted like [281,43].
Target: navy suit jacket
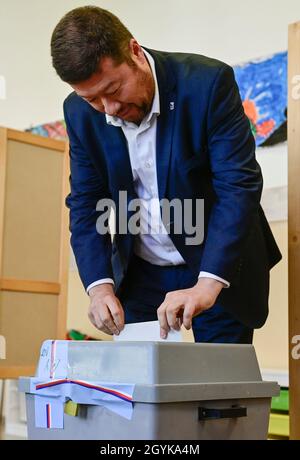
[205,150]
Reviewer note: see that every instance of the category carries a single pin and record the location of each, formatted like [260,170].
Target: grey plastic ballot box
[187,391]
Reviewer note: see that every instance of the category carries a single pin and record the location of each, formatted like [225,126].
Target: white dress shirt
[153,244]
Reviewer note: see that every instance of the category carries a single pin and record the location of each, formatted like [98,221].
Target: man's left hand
[179,307]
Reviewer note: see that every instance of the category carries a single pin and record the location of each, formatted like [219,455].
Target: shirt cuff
[102,281]
[215,277]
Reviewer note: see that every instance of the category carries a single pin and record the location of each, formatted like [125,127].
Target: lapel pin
[172,105]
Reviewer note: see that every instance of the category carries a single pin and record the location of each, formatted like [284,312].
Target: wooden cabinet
[34,246]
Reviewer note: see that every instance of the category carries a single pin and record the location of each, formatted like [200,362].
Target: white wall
[229,30]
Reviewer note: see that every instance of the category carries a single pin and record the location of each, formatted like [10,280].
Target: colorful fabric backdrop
[263,89]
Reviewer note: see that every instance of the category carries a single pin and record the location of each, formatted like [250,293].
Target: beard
[141,111]
[145,84]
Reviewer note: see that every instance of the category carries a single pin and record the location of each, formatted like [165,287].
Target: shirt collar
[155,109]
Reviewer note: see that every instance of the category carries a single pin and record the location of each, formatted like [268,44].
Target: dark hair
[82,37]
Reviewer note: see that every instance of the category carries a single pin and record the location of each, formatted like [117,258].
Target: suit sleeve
[236,178]
[92,250]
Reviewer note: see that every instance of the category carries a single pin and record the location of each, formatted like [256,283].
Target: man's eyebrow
[106,87]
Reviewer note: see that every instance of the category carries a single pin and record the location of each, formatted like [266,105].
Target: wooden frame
[3,149]
[56,289]
[294,223]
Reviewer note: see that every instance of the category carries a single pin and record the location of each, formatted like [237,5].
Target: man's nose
[110,107]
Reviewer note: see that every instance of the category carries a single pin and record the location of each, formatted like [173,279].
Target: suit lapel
[118,158]
[165,121]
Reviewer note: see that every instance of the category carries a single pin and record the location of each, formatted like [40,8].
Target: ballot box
[147,390]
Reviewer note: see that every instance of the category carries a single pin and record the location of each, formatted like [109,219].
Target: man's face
[121,90]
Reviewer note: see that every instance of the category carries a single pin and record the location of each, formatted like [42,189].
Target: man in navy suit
[162,128]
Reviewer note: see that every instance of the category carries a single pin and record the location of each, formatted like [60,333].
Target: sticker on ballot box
[53,362]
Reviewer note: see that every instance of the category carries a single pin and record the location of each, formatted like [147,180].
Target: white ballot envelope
[148,331]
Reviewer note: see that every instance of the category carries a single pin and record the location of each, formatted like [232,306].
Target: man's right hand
[105,310]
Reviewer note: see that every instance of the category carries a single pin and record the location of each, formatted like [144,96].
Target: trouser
[143,291]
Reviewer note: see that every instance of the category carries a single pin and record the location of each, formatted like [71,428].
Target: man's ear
[136,52]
